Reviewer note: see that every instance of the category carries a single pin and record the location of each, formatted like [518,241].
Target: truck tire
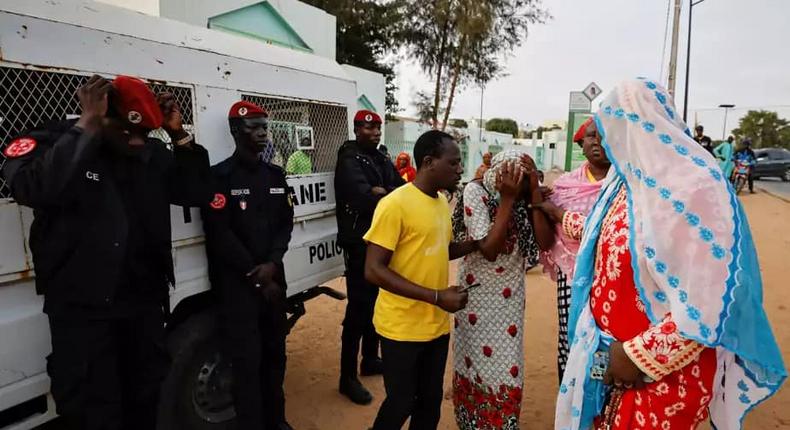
[196,394]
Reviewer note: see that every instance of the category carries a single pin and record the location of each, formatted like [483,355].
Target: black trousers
[107,372]
[358,322]
[253,332]
[413,379]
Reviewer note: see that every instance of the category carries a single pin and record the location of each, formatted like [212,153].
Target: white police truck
[48,49]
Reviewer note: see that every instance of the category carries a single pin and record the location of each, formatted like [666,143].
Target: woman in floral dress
[488,348]
[666,322]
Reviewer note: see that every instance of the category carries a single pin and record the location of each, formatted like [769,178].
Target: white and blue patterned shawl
[692,255]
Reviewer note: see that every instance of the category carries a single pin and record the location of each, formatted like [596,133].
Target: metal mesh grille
[287,117]
[29,98]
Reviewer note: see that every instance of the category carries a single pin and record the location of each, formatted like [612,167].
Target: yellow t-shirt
[416,228]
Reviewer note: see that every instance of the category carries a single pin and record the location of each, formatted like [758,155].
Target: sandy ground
[314,345]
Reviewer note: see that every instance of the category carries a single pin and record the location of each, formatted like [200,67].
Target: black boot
[355,391]
[371,367]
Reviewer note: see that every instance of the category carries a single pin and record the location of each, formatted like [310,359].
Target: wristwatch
[184,140]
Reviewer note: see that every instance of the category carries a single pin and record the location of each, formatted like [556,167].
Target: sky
[739,56]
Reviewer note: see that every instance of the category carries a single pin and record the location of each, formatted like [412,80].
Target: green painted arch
[363,102]
[260,21]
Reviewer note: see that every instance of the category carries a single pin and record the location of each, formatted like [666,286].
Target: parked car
[772,162]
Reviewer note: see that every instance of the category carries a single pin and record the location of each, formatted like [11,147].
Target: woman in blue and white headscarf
[666,324]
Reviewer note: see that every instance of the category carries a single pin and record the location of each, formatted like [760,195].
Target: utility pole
[482,91]
[692,3]
[673,57]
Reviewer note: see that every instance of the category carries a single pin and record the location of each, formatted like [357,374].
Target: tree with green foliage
[367,31]
[459,42]
[423,103]
[765,128]
[459,123]
[502,125]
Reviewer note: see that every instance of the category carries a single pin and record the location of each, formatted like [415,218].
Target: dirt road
[314,349]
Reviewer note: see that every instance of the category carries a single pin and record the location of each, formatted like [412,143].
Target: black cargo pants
[358,322]
[107,372]
[253,332]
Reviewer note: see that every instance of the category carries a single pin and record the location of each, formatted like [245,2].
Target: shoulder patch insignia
[218,202]
[19,147]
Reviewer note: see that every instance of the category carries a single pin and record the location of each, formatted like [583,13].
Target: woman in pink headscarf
[573,196]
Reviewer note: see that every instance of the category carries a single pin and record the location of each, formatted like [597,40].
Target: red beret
[244,109]
[367,116]
[135,102]
[579,136]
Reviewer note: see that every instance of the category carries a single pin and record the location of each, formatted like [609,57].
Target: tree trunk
[440,61]
[454,83]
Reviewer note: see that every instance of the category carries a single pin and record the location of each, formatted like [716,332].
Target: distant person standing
[723,153]
[747,155]
[704,141]
[405,169]
[481,171]
[408,257]
[301,161]
[362,177]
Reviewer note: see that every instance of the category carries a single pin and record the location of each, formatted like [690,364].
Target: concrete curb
[773,194]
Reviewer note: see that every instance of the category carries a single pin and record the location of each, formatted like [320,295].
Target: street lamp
[688,61]
[724,130]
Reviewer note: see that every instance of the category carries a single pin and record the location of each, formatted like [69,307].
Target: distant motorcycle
[741,175]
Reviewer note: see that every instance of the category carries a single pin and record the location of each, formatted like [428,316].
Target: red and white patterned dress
[488,337]
[682,369]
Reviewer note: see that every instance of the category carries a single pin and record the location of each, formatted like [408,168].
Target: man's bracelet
[436,297]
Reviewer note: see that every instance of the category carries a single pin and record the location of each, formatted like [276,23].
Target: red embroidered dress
[683,369]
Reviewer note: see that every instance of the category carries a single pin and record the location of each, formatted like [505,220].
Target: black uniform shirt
[102,222]
[250,220]
[138,264]
[358,170]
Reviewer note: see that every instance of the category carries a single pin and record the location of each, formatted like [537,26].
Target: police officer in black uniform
[248,226]
[101,192]
[363,176]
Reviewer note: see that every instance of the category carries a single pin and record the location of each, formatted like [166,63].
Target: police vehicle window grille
[290,122]
[30,98]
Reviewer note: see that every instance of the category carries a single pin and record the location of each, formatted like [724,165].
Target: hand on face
[531,171]
[509,180]
[93,101]
[173,120]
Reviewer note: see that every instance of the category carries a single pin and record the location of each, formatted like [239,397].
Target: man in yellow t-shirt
[408,255]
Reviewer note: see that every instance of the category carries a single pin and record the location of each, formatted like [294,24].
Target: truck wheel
[786,176]
[197,392]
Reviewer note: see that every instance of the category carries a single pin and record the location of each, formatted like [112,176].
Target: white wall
[315,27]
[371,84]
